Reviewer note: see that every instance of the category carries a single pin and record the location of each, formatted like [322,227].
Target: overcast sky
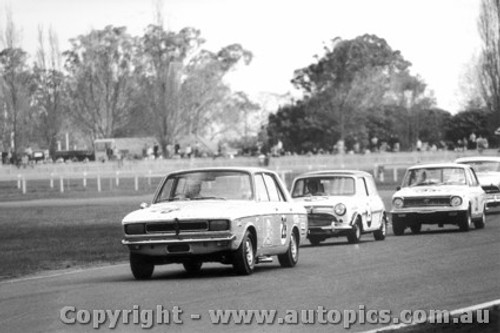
[439,37]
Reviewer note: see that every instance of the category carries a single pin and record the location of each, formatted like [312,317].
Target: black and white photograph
[250,166]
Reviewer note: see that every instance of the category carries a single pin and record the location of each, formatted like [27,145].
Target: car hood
[327,200]
[419,191]
[208,209]
[488,178]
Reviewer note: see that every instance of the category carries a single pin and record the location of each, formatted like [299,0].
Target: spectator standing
[419,145]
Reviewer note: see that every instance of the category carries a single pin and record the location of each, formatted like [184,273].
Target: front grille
[172,226]
[321,220]
[427,201]
[491,189]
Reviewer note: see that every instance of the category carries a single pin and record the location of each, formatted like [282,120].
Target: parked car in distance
[340,203]
[444,193]
[487,169]
[238,216]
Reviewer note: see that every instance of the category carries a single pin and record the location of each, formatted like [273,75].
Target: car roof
[438,165]
[235,168]
[336,172]
[478,159]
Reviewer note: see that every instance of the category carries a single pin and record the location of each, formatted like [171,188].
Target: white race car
[238,216]
[487,169]
[445,193]
[340,203]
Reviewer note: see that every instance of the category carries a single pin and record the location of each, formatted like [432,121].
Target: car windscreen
[204,185]
[434,176]
[484,166]
[324,186]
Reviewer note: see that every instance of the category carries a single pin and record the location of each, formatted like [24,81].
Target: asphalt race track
[440,269]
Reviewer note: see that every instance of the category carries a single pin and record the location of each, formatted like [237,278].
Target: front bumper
[159,246]
[330,231]
[492,201]
[427,216]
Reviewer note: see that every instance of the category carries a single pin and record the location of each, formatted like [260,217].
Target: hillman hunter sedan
[487,169]
[340,203]
[446,193]
[238,216]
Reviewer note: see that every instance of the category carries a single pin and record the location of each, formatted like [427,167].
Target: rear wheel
[465,222]
[380,233]
[291,257]
[244,257]
[355,234]
[142,268]
[416,228]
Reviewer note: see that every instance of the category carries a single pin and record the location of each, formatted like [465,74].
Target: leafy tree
[489,65]
[100,80]
[464,123]
[353,75]
[49,95]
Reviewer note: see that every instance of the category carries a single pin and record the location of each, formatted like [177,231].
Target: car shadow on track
[336,243]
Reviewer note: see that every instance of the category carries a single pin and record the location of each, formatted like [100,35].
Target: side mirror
[398,188]
[144,205]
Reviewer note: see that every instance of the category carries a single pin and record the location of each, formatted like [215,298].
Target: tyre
[416,228]
[481,222]
[315,240]
[291,256]
[380,233]
[398,227]
[244,257]
[141,267]
[465,222]
[192,266]
[355,234]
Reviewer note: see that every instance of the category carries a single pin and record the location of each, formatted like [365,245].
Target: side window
[273,188]
[260,189]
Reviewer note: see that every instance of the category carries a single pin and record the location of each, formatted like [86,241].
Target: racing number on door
[283,229]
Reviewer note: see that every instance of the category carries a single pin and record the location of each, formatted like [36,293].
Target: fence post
[85,179]
[24,185]
[149,177]
[51,180]
[375,171]
[395,174]
[117,177]
[136,183]
[61,184]
[98,182]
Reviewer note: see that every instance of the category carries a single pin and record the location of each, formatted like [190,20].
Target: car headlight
[398,203]
[456,201]
[340,209]
[218,225]
[135,229]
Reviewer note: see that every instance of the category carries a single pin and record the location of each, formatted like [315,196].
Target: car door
[375,203]
[362,194]
[269,222]
[477,194]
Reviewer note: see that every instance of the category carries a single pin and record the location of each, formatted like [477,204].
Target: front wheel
[291,257]
[354,234]
[398,227]
[481,222]
[465,222]
[244,257]
[416,228]
[141,267]
[192,266]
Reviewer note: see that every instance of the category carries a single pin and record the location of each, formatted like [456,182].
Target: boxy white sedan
[340,203]
[238,216]
[444,193]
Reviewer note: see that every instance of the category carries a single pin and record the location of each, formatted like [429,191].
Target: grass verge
[48,238]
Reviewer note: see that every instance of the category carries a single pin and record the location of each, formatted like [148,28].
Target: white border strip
[75,271]
[452,313]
